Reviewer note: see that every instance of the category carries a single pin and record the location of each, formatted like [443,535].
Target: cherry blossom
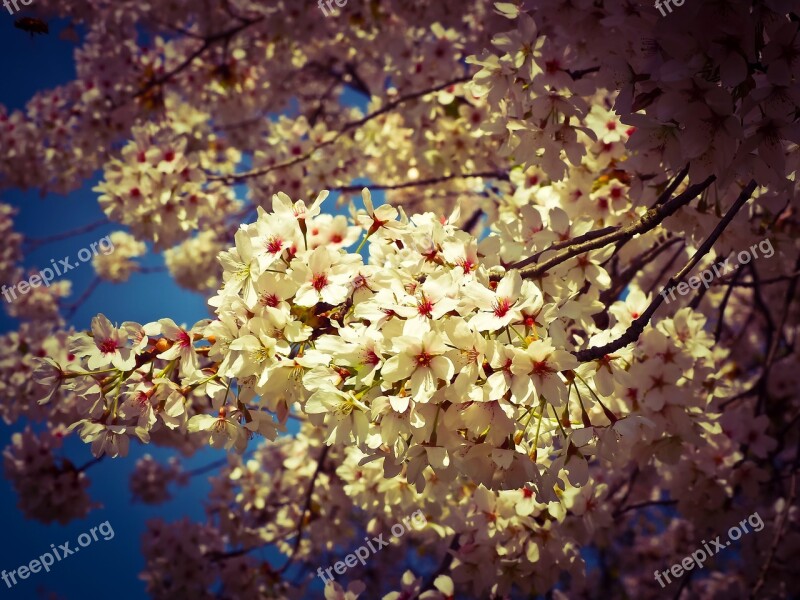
[440,297]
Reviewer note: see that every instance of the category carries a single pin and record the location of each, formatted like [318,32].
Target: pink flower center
[468,265]
[184,341]
[541,368]
[108,346]
[424,359]
[274,245]
[370,358]
[270,300]
[319,281]
[502,307]
[425,308]
[552,66]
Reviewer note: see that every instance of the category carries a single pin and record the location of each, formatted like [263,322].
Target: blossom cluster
[156,186]
[117,266]
[487,348]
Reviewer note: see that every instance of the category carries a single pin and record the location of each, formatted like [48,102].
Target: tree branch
[637,327]
[441,569]
[237,177]
[73,308]
[302,521]
[347,189]
[32,244]
[598,239]
[780,526]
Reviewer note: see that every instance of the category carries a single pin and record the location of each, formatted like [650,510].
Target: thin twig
[302,522]
[666,268]
[622,511]
[73,308]
[90,464]
[624,278]
[672,186]
[637,327]
[207,43]
[684,583]
[780,525]
[724,304]
[151,270]
[650,220]
[236,177]
[36,243]
[348,189]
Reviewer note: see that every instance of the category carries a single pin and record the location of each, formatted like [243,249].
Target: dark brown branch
[312,120]
[302,521]
[580,74]
[473,220]
[627,275]
[36,243]
[589,235]
[90,464]
[723,305]
[347,189]
[775,334]
[622,511]
[666,267]
[648,222]
[236,177]
[749,284]
[73,308]
[208,42]
[637,327]
[686,581]
[672,186]
[358,83]
[780,526]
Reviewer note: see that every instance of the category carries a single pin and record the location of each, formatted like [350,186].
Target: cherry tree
[488,333]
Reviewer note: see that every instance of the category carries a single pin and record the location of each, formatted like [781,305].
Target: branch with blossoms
[523,390]
[350,126]
[422,333]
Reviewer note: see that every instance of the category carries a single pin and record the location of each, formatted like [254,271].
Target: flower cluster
[10,254]
[157,186]
[193,263]
[49,489]
[486,347]
[121,394]
[117,266]
[150,480]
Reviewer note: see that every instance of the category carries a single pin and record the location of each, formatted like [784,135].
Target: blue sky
[104,568]
[111,567]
